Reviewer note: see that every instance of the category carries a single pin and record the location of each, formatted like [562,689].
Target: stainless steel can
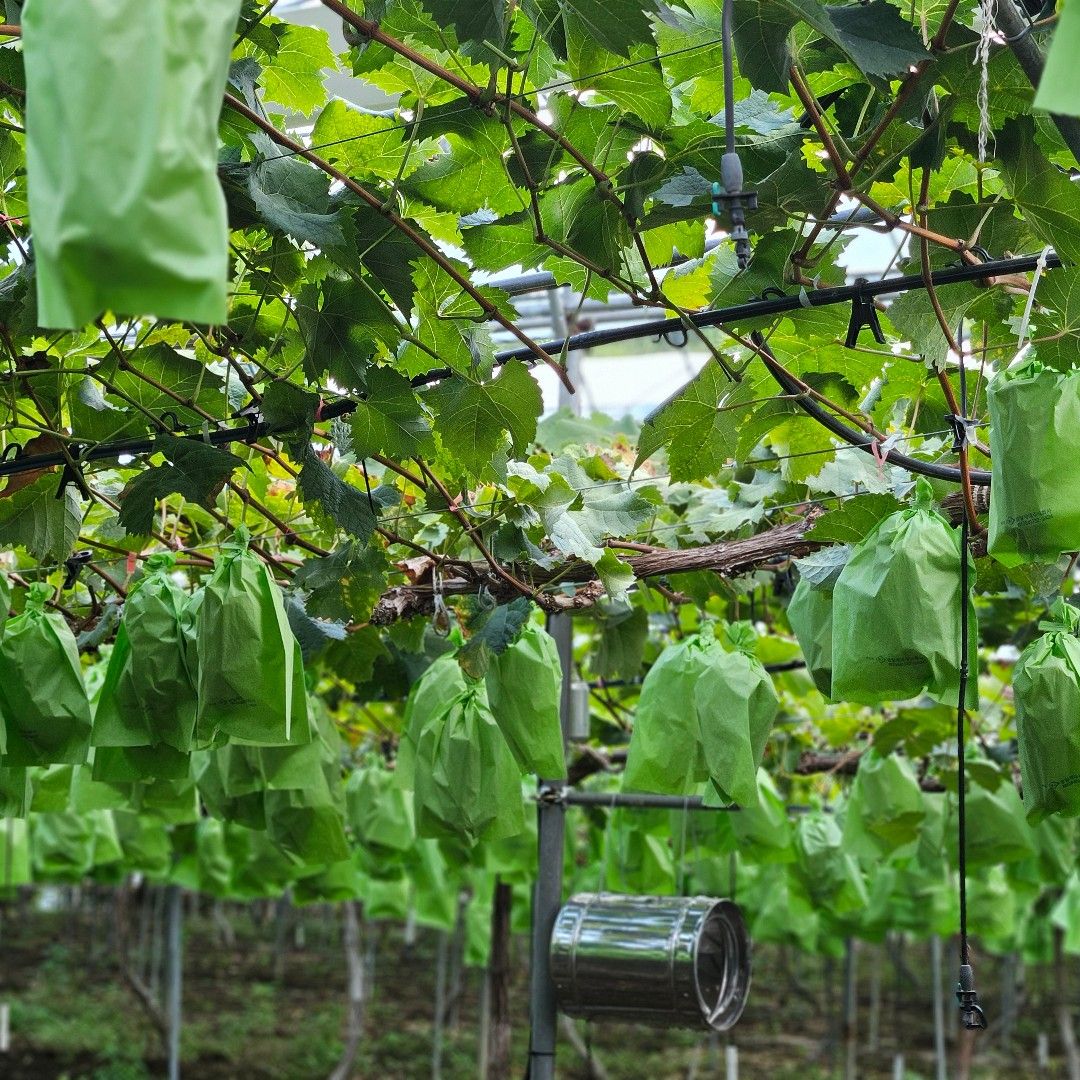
[669,961]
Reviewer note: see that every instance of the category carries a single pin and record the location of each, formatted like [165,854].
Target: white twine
[987,33]
[1022,333]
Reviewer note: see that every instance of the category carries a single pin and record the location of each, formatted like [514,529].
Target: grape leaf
[193,469]
[33,517]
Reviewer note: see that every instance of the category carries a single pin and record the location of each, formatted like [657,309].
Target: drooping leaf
[342,322]
[193,469]
[490,632]
[295,78]
[877,38]
[851,522]
[314,635]
[346,506]
[33,517]
[1050,201]
[761,44]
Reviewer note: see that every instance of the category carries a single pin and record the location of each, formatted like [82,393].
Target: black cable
[776,305]
[859,439]
[971,1014]
[593,338]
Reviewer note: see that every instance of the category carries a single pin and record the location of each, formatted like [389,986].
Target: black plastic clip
[963,430]
[74,565]
[169,420]
[11,451]
[71,473]
[971,1014]
[863,313]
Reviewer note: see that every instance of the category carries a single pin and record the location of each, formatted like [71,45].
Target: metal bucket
[666,960]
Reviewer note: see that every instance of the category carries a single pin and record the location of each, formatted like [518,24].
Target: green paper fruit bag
[736,705]
[43,703]
[886,805]
[379,810]
[250,682]
[437,686]
[896,612]
[158,631]
[123,99]
[1034,445]
[524,684]
[665,754]
[810,611]
[1046,690]
[704,713]
[466,783]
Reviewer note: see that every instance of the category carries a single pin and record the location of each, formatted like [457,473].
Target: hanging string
[1022,333]
[987,33]
[971,1014]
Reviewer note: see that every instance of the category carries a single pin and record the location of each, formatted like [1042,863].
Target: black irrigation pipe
[860,439]
[776,305]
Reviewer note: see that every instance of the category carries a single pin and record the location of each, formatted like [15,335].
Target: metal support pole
[547,893]
[636,800]
[175,974]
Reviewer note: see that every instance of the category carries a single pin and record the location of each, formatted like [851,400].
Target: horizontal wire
[405,125]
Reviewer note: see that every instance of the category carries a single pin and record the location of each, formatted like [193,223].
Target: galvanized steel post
[547,892]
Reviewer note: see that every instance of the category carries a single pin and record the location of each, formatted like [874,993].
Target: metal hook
[1048,9]
[441,619]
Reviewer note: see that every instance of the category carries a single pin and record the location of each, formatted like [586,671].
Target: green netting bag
[810,611]
[466,783]
[1046,691]
[250,679]
[524,684]
[123,100]
[1034,445]
[886,808]
[896,611]
[43,702]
